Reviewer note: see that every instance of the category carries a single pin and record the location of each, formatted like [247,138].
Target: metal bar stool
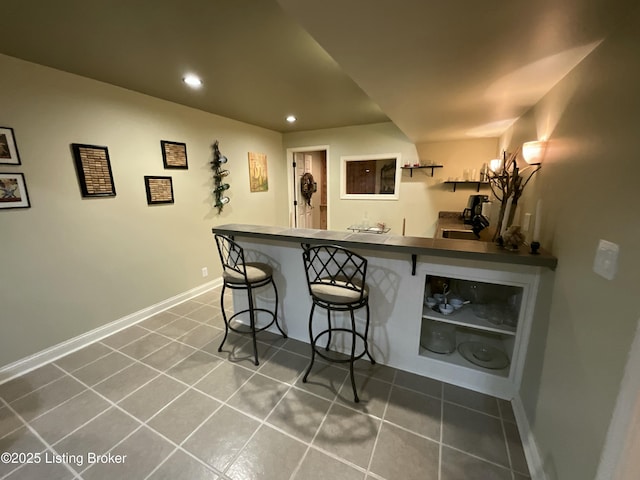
[240,275]
[336,281]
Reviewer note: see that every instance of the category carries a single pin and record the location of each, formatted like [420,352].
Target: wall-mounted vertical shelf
[411,169]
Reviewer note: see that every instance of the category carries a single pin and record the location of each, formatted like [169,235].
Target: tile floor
[159,398]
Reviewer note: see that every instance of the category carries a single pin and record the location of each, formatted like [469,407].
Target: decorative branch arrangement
[218,174]
[507,183]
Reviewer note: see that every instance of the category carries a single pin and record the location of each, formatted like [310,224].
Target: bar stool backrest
[231,255]
[334,265]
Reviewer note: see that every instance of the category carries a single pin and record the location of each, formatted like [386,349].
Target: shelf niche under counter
[497,320]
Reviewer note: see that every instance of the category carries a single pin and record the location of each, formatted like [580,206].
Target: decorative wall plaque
[8,149]
[159,189]
[94,170]
[13,191]
[258,176]
[174,154]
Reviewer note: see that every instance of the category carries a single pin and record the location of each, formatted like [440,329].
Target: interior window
[371,177]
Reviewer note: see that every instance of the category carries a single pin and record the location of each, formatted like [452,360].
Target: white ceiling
[438,70]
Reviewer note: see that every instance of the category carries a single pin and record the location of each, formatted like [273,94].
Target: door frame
[291,180]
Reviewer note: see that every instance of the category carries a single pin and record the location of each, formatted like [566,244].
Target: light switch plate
[606,261]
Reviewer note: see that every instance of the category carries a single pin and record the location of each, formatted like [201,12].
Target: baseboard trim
[27,364]
[531,451]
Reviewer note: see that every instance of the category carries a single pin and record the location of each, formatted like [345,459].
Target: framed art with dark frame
[8,148]
[174,154]
[159,189]
[94,170]
[13,191]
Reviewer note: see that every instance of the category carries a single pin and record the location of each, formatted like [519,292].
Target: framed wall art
[159,189]
[94,170]
[258,176]
[8,148]
[174,154]
[13,191]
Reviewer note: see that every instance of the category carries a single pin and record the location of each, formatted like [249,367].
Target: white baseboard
[25,365]
[531,451]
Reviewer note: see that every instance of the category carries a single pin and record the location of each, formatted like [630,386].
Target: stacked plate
[484,355]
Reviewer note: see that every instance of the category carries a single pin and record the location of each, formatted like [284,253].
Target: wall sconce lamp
[533,152]
[494,165]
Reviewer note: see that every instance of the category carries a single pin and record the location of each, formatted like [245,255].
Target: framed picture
[258,176]
[174,154]
[159,189]
[13,191]
[94,170]
[8,149]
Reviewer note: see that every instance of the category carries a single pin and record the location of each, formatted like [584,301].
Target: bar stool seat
[240,275]
[256,272]
[337,293]
[336,282]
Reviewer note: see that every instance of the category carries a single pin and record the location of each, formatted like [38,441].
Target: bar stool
[336,281]
[239,275]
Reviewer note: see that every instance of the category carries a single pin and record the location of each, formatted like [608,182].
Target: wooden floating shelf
[412,168]
[477,183]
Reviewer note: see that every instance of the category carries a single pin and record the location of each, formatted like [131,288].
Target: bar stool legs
[336,282]
[252,316]
[352,357]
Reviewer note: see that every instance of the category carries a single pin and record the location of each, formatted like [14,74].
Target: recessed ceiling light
[192,80]
[291,119]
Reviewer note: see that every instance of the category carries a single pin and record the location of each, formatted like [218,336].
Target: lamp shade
[534,151]
[495,164]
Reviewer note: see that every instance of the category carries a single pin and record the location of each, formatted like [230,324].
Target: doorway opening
[308,180]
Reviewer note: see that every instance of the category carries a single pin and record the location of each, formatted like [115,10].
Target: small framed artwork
[13,191]
[258,175]
[174,154]
[8,149]
[159,189]
[94,170]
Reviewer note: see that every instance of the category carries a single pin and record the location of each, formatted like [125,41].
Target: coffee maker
[472,215]
[474,207]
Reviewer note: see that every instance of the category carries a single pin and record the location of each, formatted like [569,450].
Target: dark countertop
[437,247]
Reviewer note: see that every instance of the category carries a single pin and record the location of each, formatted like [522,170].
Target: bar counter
[398,278]
[435,247]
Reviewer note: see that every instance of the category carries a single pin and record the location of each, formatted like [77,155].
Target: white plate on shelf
[484,355]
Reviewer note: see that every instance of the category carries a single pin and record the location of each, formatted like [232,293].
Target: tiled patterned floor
[160,394]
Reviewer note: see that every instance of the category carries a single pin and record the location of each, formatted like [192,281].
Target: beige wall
[72,264]
[589,185]
[456,156]
[421,196]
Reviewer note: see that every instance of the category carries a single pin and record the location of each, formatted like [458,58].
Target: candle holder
[535,246]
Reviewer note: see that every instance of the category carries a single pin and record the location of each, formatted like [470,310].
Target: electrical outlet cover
[606,261]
